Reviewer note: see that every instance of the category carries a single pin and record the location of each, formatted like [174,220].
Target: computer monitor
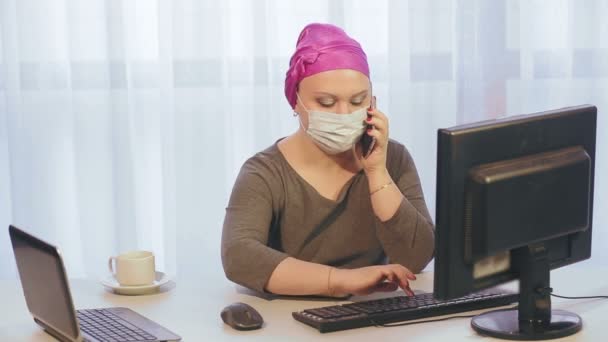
[515,200]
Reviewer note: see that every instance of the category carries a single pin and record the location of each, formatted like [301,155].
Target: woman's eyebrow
[324,93]
[362,92]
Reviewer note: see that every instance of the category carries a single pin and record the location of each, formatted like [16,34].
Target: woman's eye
[326,104]
[357,101]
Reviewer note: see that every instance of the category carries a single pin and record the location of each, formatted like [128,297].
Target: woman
[311,215]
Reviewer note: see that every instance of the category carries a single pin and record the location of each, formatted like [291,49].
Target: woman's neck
[309,153]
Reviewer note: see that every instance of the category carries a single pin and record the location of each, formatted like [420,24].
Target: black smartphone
[367,141]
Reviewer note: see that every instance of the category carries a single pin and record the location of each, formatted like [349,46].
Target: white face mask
[335,133]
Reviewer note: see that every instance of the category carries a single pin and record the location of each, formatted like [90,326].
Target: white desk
[192,310]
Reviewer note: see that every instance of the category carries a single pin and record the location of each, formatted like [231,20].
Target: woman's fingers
[386,286]
[378,124]
[378,116]
[388,281]
[383,278]
[375,112]
[403,275]
[409,274]
[374,133]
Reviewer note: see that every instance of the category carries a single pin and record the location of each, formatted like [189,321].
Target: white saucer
[110,283]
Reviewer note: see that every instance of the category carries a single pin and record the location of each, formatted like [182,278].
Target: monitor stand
[533,319]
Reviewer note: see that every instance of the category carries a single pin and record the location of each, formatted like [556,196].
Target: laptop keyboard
[105,326]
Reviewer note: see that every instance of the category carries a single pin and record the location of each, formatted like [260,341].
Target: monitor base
[505,324]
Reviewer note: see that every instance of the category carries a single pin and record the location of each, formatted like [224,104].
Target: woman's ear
[297,109]
[301,114]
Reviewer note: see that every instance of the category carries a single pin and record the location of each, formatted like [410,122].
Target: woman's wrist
[385,195]
[330,282]
[378,178]
[335,288]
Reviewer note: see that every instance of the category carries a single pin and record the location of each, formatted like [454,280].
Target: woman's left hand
[376,160]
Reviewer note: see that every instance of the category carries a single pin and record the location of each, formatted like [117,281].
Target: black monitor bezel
[463,147]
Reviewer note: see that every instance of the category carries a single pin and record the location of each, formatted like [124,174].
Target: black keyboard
[106,326]
[398,309]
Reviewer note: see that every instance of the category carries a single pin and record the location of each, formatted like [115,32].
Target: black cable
[390,325]
[586,297]
[549,290]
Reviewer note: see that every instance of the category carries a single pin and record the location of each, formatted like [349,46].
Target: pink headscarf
[322,47]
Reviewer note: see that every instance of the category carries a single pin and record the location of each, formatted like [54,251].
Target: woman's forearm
[385,195]
[297,277]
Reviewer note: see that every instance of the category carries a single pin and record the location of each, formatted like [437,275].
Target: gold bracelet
[329,289]
[381,188]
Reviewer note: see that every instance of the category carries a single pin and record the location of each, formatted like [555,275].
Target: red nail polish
[370,130]
[369,118]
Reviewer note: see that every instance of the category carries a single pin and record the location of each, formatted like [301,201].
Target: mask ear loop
[296,114]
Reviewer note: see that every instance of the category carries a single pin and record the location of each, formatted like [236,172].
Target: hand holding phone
[367,141]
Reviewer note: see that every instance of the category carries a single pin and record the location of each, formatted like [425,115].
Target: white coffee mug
[133,268]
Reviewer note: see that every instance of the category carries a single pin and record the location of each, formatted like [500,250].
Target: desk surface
[192,310]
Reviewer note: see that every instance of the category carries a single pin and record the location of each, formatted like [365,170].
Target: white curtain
[124,122]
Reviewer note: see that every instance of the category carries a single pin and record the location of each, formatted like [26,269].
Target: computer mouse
[241,316]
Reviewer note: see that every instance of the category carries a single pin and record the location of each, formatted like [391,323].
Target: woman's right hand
[366,280]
